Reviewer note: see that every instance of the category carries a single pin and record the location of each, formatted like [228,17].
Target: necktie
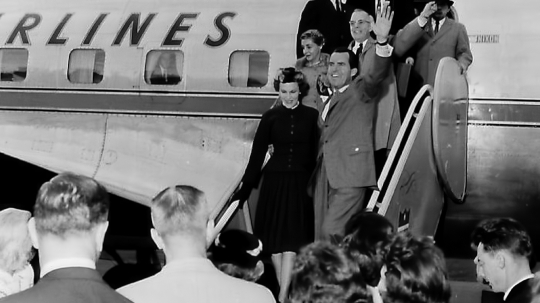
[327,105]
[436,27]
[358,49]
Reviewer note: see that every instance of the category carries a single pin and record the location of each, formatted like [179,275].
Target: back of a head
[322,273]
[15,243]
[367,239]
[180,210]
[70,203]
[416,271]
[504,234]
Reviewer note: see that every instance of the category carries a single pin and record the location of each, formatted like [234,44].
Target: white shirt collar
[357,45]
[64,263]
[327,105]
[343,88]
[291,108]
[441,22]
[507,292]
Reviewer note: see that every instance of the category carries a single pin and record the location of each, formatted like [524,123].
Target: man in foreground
[504,254]
[68,228]
[180,216]
[346,166]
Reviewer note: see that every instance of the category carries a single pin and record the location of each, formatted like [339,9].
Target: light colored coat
[387,117]
[451,41]
[195,281]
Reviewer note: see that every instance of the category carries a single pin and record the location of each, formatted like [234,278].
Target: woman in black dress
[284,217]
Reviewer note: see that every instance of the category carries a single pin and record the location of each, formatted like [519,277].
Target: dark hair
[15,244]
[70,202]
[179,209]
[322,273]
[313,34]
[367,240]
[416,271]
[353,58]
[504,233]
[291,75]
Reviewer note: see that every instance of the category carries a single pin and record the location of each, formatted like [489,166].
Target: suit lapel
[429,29]
[369,44]
[351,45]
[336,98]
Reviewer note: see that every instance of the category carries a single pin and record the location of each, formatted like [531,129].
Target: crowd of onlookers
[372,263]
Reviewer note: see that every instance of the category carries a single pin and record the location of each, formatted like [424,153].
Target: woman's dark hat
[236,247]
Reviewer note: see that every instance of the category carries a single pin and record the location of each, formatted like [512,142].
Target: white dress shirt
[357,45]
[434,23]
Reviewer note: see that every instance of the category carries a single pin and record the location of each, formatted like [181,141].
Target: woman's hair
[367,240]
[291,75]
[416,271]
[323,274]
[15,244]
[314,35]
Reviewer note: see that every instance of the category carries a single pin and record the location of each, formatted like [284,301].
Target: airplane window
[13,64]
[249,68]
[86,66]
[164,67]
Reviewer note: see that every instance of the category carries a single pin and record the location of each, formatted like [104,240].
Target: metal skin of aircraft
[136,137]
[132,136]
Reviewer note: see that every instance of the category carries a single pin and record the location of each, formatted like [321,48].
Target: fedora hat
[449,2]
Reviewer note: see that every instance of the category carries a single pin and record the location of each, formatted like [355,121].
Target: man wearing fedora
[443,37]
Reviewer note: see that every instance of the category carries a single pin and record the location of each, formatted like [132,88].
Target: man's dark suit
[69,285]
[403,11]
[521,293]
[322,15]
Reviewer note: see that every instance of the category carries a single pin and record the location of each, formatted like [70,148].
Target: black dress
[284,217]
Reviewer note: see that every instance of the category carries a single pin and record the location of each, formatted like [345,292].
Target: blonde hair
[15,242]
[180,209]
